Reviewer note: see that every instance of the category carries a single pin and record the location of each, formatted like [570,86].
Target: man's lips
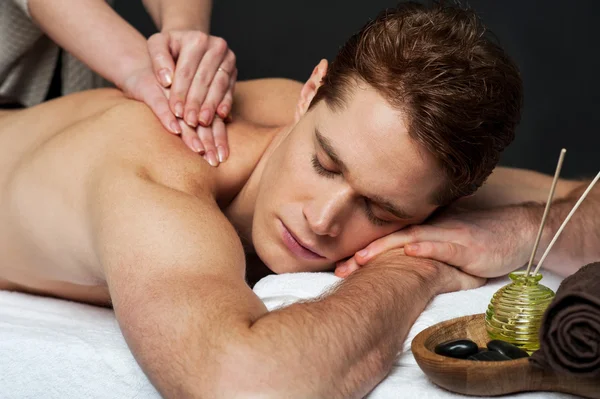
[297,246]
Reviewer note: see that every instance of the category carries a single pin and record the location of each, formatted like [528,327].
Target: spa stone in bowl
[506,349]
[489,356]
[458,348]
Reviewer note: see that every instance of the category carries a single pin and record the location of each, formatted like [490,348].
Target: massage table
[51,348]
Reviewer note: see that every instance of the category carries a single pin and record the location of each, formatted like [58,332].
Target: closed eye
[321,170]
[371,216]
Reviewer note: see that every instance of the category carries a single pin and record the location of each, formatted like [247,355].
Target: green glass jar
[515,312]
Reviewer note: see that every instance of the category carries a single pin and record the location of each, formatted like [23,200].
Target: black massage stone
[489,356]
[458,348]
[506,349]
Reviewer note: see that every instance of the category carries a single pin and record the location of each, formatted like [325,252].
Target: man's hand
[201,71]
[485,243]
[442,277]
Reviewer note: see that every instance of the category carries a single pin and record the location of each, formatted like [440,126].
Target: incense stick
[562,226]
[550,196]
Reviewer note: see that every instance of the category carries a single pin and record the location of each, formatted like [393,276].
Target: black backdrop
[554,42]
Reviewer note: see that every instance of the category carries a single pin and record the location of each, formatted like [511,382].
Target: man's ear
[310,89]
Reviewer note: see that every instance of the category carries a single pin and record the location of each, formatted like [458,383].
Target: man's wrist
[421,273]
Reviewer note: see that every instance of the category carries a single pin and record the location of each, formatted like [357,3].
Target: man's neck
[240,211]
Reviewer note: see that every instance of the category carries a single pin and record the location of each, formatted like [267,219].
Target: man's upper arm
[175,270]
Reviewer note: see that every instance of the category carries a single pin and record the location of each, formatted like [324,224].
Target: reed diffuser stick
[562,226]
[561,158]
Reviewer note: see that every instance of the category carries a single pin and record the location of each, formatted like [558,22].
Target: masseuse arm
[93,32]
[175,270]
[180,14]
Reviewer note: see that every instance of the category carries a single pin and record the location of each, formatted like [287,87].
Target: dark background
[555,43]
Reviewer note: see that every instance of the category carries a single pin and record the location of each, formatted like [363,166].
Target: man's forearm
[180,14]
[95,34]
[579,243]
[343,345]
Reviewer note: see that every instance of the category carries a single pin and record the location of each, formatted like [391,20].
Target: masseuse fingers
[447,252]
[225,107]
[399,239]
[207,76]
[190,138]
[206,137]
[193,48]
[162,60]
[153,95]
[219,87]
[220,138]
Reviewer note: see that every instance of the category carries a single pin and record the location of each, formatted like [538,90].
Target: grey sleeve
[23,6]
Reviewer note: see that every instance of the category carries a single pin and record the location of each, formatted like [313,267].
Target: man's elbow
[247,373]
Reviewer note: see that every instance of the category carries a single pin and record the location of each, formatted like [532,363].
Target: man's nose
[326,212]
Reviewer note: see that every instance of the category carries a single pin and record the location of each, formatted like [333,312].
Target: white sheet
[51,348]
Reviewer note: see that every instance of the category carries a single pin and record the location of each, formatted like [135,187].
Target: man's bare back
[53,155]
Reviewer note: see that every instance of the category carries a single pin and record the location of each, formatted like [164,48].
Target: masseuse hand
[485,243]
[201,71]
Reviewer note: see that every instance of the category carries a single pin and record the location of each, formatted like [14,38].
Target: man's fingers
[192,50]
[220,138]
[162,60]
[157,101]
[447,252]
[207,75]
[400,238]
[345,268]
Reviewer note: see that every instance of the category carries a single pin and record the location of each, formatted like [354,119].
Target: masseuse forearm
[95,34]
[180,14]
[579,242]
[344,344]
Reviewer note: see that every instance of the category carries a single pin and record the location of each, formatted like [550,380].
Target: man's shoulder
[266,102]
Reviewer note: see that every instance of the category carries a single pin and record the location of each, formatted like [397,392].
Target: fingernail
[190,119]
[205,117]
[175,128]
[224,110]
[412,247]
[221,153]
[363,253]
[212,160]
[342,269]
[165,77]
[196,145]
[179,110]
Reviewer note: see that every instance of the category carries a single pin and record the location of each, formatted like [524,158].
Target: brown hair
[461,93]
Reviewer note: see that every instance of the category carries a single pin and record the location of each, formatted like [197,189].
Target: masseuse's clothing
[29,58]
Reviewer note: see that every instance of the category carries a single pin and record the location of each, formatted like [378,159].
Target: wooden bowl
[471,377]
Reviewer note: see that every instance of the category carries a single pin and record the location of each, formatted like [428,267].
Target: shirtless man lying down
[99,204]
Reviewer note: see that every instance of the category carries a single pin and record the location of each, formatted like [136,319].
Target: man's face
[338,181]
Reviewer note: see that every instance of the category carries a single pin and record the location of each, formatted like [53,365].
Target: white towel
[51,348]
